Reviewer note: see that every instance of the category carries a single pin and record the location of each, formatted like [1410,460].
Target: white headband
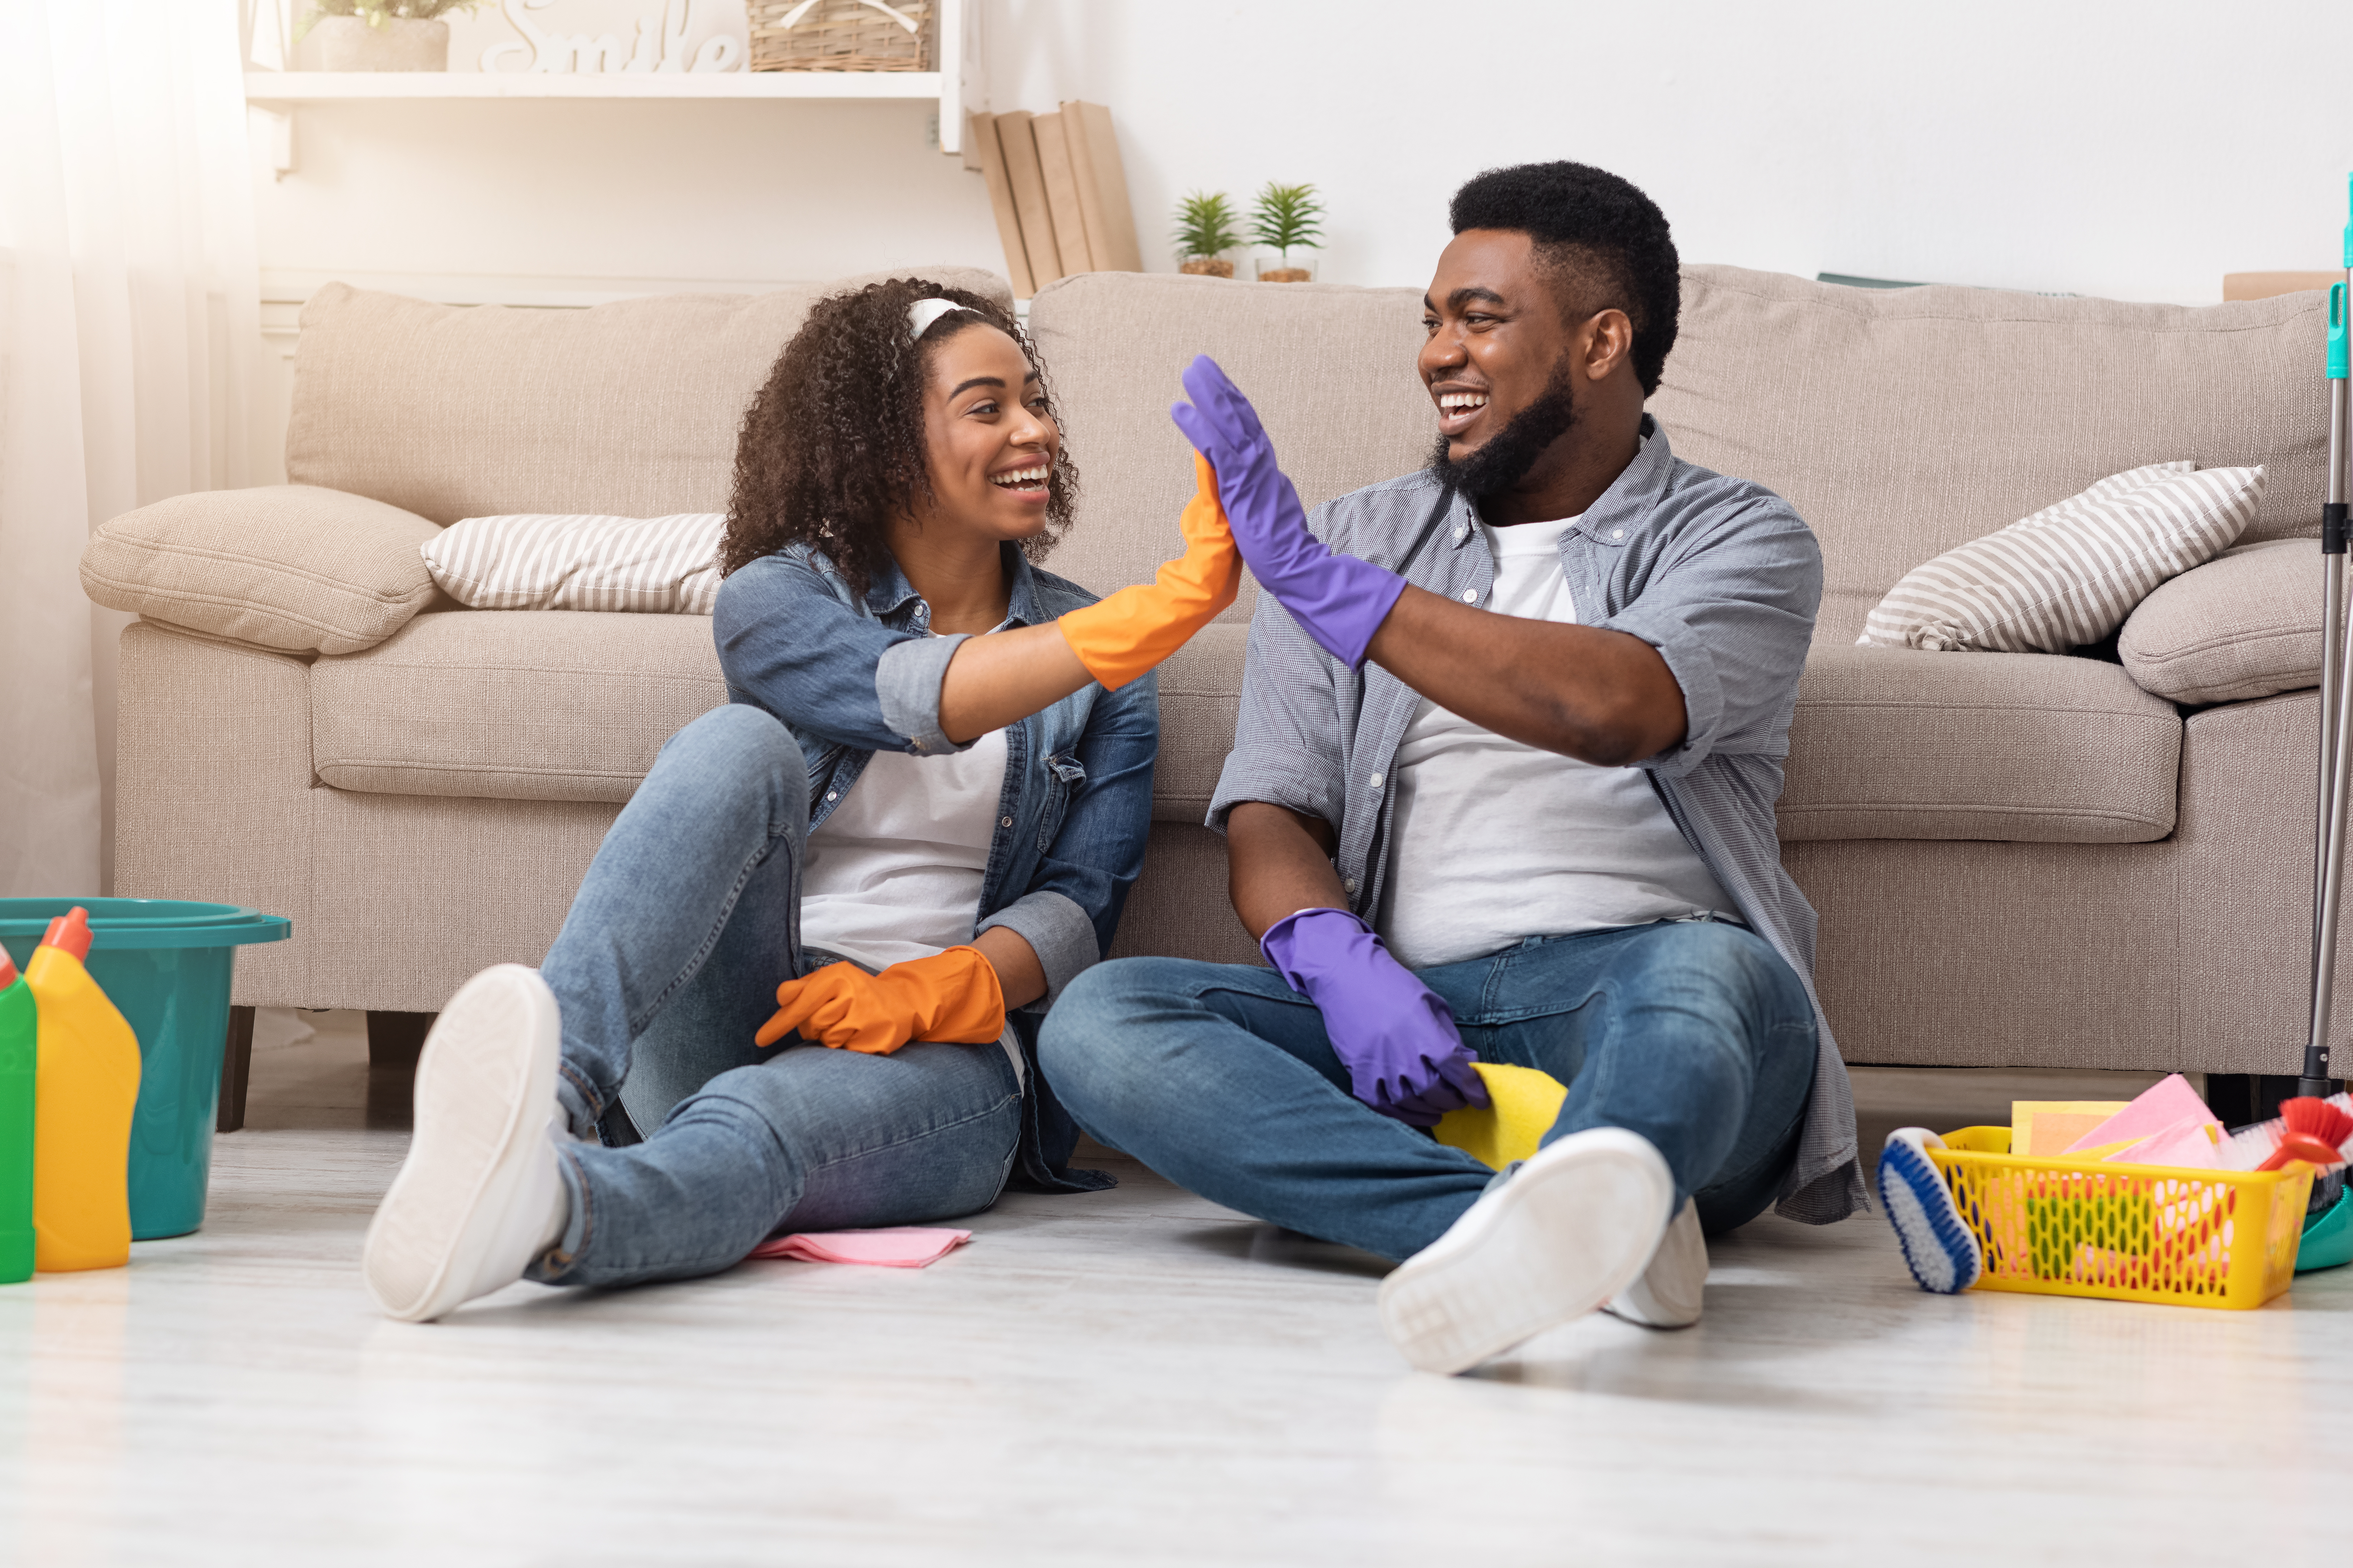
[923,313]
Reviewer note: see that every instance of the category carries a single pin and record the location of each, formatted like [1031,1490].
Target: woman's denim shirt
[852,678]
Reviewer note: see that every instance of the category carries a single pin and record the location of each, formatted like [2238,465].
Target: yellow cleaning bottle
[86,1088]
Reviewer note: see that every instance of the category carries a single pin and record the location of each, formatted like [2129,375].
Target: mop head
[1524,1103]
[1942,1251]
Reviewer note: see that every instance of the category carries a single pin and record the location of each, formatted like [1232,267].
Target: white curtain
[129,317]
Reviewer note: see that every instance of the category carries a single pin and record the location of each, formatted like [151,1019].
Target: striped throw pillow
[2072,573]
[530,560]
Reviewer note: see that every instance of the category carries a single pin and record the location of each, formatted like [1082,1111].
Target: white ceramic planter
[349,44]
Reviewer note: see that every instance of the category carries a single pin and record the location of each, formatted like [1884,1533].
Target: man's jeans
[667,965]
[1694,1034]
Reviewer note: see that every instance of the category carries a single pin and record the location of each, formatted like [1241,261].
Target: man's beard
[1512,451]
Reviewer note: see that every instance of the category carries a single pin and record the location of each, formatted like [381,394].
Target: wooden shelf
[273,88]
[276,95]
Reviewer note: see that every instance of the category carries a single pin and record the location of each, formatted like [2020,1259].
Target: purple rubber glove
[1339,600]
[1392,1033]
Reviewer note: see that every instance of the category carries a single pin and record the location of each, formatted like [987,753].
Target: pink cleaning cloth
[2159,1109]
[901,1246]
[2183,1143]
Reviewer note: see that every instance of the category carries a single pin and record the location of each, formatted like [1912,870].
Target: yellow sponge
[1526,1104]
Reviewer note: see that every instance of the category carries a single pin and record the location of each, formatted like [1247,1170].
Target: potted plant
[1206,229]
[380,34]
[1286,218]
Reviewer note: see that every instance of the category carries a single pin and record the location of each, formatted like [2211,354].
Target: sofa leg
[396,1038]
[394,1041]
[236,1069]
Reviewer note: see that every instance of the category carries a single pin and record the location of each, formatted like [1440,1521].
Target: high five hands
[1338,600]
[1242,500]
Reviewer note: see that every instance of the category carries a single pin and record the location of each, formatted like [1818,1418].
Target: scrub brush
[2307,1129]
[1943,1252]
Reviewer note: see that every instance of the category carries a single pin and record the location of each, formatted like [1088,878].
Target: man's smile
[1459,408]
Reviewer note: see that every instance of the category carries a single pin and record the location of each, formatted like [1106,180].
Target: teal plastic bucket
[2327,1237]
[165,963]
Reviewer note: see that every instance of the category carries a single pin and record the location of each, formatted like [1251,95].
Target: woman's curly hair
[832,448]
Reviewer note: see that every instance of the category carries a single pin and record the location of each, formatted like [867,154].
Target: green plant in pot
[379,35]
[1285,218]
[1207,227]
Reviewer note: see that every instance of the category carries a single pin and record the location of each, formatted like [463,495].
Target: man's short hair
[1587,222]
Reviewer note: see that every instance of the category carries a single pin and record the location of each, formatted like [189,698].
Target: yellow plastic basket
[2060,1226]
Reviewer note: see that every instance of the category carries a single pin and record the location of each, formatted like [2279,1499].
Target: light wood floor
[1131,1377]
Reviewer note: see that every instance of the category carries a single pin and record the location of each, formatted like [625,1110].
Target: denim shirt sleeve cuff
[1058,931]
[907,684]
[1694,668]
[1279,775]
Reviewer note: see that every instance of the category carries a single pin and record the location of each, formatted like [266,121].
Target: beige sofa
[2019,859]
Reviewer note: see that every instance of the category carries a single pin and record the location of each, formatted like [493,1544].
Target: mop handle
[2336,712]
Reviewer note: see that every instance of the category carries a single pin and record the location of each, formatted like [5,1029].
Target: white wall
[2133,152]
[2138,152]
[2063,145]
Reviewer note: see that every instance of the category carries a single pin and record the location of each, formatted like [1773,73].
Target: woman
[921,813]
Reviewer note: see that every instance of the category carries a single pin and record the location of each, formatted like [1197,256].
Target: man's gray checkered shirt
[1719,574]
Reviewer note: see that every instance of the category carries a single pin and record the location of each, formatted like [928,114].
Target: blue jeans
[1220,1078]
[667,963]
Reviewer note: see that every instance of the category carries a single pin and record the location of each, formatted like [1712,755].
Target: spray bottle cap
[70,933]
[2337,356]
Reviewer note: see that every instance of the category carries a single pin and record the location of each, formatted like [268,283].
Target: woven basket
[840,35]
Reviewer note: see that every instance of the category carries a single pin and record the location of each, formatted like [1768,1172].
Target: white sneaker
[1667,1296]
[479,1195]
[1571,1228]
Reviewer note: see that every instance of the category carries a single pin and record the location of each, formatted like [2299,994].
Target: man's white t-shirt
[1494,841]
[894,872]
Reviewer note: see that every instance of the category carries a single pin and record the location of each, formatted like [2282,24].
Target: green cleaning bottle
[18,1029]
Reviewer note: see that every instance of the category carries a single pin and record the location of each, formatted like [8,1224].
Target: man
[1501,790]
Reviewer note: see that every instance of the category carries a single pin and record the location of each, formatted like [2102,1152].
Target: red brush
[2312,1130]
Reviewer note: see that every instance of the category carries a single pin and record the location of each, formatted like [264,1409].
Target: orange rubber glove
[1129,633]
[952,995]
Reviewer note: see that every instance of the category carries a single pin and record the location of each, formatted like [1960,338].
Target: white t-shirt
[894,872]
[1494,841]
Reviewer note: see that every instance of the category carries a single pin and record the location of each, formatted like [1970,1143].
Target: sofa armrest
[2243,626]
[290,567]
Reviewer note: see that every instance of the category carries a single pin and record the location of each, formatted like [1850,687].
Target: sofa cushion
[642,565]
[511,704]
[628,409]
[572,705]
[1329,368]
[288,567]
[2069,575]
[2244,626]
[1903,422]
[2041,748]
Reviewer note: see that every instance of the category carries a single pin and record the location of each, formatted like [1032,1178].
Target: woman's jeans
[1694,1034]
[667,965]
